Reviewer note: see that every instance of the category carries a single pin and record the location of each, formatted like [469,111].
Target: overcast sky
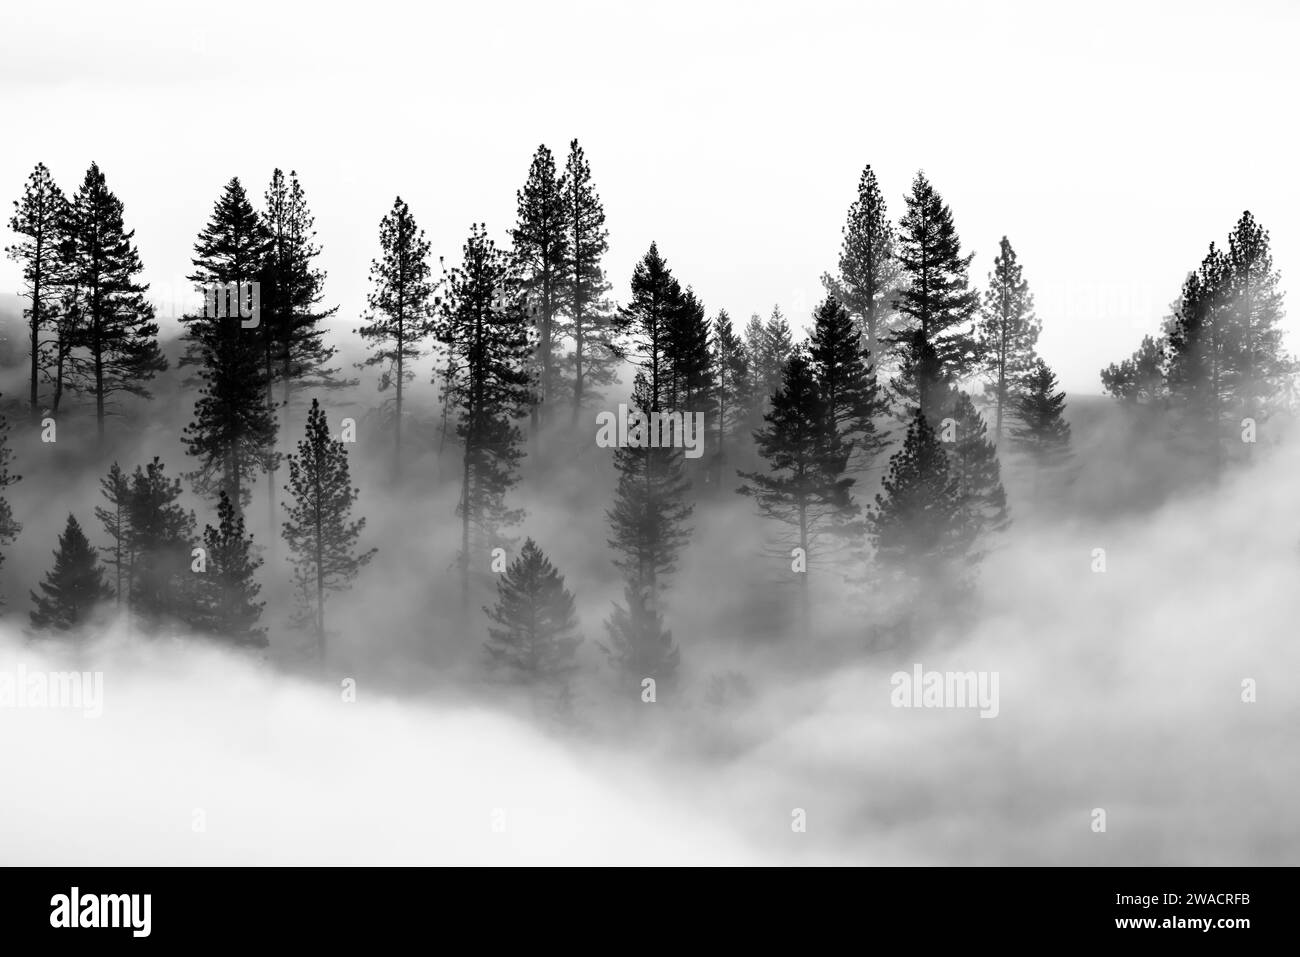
[1111,143]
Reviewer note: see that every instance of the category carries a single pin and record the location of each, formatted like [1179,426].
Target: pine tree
[488,343]
[973,462]
[401,304]
[1197,360]
[1043,433]
[161,539]
[1259,367]
[227,605]
[639,645]
[648,320]
[9,526]
[690,365]
[40,218]
[1140,379]
[732,390]
[536,639]
[233,433]
[868,271]
[846,382]
[73,587]
[936,305]
[114,321]
[320,532]
[918,528]
[588,322]
[294,290]
[1007,333]
[116,489]
[805,487]
[540,247]
[648,520]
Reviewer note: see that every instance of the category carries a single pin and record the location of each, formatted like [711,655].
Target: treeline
[911,379]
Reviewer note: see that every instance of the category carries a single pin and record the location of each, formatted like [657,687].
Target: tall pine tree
[401,305]
[868,271]
[321,534]
[1007,333]
[846,383]
[936,304]
[227,605]
[74,587]
[535,639]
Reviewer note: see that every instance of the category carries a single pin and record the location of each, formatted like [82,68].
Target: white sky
[1112,142]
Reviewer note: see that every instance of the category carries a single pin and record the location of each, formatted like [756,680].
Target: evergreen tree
[918,530]
[1043,433]
[536,639]
[648,320]
[161,539]
[401,304]
[973,462]
[732,390]
[40,218]
[588,322]
[540,245]
[293,291]
[116,488]
[648,520]
[227,603]
[320,532]
[488,343]
[805,487]
[690,365]
[9,526]
[1259,368]
[1007,332]
[936,305]
[73,587]
[233,433]
[846,382]
[114,322]
[1140,379]
[640,646]
[1197,360]
[868,273]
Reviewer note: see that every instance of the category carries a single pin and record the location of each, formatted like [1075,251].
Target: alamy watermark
[631,428]
[234,299]
[945,689]
[83,690]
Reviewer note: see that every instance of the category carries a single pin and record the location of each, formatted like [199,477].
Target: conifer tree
[1197,360]
[233,433]
[401,305]
[321,534]
[805,487]
[648,321]
[846,382]
[227,604]
[293,292]
[1043,434]
[1007,333]
[640,646]
[1140,379]
[535,641]
[114,322]
[732,390]
[1259,367]
[540,246]
[40,219]
[648,520]
[868,272]
[935,305]
[690,365]
[116,520]
[488,343]
[73,587]
[589,322]
[973,463]
[918,528]
[162,535]
[9,526]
